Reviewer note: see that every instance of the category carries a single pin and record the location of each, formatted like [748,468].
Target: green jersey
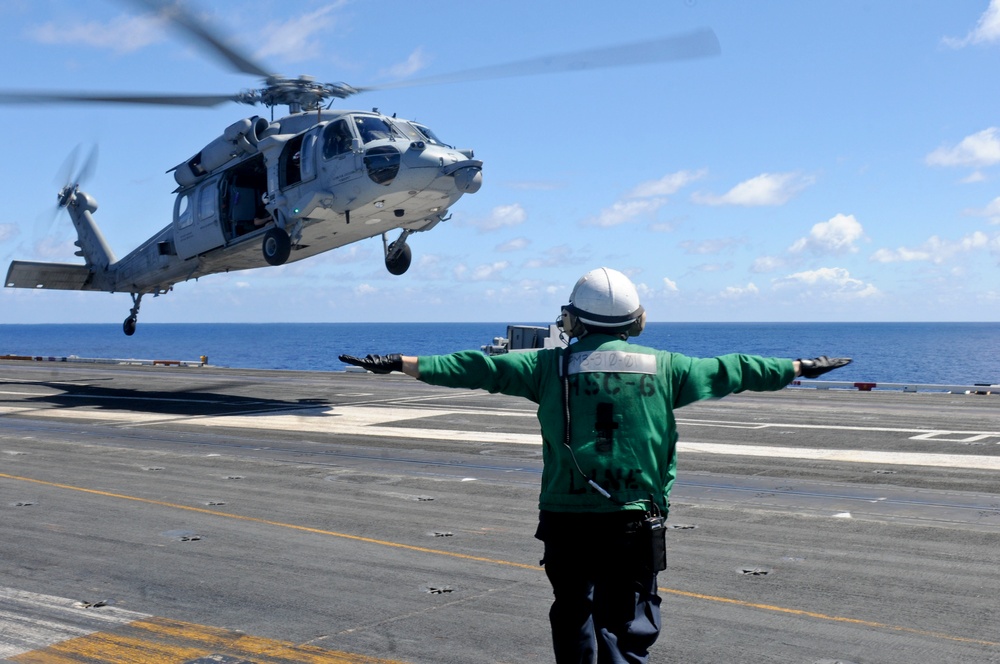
[621,401]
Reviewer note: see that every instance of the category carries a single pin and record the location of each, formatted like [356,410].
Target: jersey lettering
[619,361]
[612,384]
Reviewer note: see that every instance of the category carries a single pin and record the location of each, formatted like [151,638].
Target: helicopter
[267,191]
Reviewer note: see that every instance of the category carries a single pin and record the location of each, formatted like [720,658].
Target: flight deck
[199,514]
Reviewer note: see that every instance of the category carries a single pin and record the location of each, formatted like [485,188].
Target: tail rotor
[72,174]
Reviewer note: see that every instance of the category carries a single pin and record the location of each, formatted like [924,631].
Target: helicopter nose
[468,175]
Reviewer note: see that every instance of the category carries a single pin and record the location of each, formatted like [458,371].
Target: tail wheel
[276,246]
[400,263]
[129,326]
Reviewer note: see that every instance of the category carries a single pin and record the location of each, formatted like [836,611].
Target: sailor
[606,410]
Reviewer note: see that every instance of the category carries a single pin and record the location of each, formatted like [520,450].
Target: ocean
[928,353]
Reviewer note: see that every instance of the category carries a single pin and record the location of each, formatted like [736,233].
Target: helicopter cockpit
[337,139]
[373,128]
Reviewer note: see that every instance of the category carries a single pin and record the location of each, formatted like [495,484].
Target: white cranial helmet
[605,298]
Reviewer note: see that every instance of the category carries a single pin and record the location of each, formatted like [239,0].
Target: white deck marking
[922,434]
[31,621]
[853,456]
[353,420]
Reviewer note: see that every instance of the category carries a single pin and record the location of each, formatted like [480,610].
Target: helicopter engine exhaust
[239,138]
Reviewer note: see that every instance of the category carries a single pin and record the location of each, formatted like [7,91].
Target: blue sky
[839,161]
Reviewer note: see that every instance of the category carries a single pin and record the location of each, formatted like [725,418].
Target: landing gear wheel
[133,315]
[401,263]
[276,246]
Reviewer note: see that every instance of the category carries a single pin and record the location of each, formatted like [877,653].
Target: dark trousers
[605,590]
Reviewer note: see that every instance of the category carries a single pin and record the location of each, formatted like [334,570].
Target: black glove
[816,367]
[380,364]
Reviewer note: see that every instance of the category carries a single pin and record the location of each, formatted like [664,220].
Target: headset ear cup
[638,326]
[575,326]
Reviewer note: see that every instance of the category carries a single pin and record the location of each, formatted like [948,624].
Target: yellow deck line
[506,563]
[164,641]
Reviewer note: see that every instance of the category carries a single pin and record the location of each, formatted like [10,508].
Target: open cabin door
[197,228]
[241,198]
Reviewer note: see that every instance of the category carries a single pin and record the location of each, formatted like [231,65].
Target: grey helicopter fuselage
[326,178]
[307,183]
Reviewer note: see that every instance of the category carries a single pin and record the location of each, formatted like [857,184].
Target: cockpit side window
[337,138]
[373,128]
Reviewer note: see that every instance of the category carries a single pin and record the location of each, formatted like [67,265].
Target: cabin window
[337,138]
[206,202]
[184,218]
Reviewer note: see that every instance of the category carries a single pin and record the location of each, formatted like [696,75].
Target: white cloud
[53,249]
[765,189]
[712,246]
[767,264]
[295,40]
[934,250]
[836,236]
[517,244]
[643,201]
[901,255]
[667,185]
[8,231]
[365,289]
[502,216]
[558,256]
[124,34]
[736,292]
[712,267]
[625,211]
[480,272]
[669,286]
[354,253]
[991,212]
[979,149]
[662,227]
[414,64]
[831,282]
[987,29]
[648,294]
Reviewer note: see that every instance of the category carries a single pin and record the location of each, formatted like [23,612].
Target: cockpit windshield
[373,128]
[428,135]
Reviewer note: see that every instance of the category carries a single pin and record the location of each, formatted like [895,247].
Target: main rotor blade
[180,17]
[202,101]
[701,43]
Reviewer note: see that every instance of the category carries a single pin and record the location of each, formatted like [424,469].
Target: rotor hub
[299,94]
